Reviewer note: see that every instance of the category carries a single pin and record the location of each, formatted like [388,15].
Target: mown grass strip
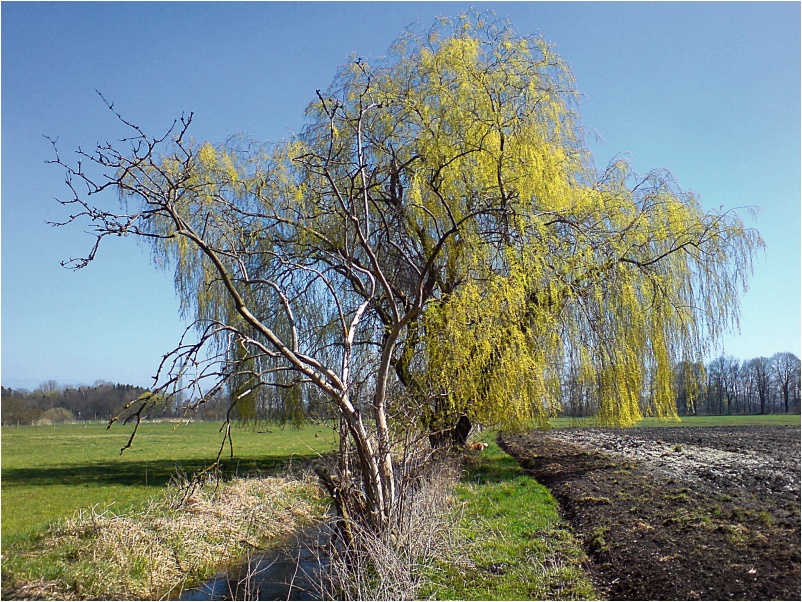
[516,546]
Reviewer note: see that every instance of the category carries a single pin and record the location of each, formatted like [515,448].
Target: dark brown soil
[683,513]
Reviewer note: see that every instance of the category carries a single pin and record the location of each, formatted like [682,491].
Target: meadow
[50,472]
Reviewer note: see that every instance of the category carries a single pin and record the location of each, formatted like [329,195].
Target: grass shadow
[151,473]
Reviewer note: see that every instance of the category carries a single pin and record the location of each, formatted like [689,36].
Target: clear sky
[709,91]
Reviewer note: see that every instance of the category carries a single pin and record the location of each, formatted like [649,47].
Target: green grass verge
[50,472]
[515,545]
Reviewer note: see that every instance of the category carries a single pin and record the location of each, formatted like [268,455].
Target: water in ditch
[290,571]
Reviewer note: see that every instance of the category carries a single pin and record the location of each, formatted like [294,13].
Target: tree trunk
[369,464]
[456,436]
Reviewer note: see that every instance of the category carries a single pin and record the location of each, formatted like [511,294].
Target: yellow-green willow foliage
[610,274]
[618,286]
[438,241]
[435,244]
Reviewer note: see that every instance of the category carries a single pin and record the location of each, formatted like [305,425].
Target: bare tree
[730,369]
[786,368]
[716,390]
[761,377]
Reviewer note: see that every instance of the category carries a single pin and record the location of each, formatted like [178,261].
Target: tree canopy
[436,242]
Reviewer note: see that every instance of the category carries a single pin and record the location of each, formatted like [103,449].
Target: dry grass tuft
[42,589]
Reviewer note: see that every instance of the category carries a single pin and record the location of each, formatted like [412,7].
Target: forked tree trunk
[374,509]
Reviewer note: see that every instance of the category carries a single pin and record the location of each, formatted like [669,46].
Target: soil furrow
[683,513]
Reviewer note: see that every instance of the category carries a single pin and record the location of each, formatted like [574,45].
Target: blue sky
[709,91]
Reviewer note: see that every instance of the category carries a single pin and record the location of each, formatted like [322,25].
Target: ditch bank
[681,513]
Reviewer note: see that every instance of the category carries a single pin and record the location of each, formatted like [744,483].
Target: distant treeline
[723,386]
[52,403]
[761,385]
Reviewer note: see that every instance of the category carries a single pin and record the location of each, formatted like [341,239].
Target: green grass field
[50,472]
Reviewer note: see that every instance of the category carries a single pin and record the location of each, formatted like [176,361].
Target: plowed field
[683,513]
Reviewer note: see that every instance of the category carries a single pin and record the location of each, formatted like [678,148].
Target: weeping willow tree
[436,243]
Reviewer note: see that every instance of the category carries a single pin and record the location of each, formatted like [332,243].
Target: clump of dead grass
[40,589]
[176,539]
[394,564]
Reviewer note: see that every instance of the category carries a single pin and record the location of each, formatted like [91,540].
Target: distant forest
[52,403]
[761,385]
[723,386]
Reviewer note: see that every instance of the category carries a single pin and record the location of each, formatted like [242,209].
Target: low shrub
[395,564]
[55,416]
